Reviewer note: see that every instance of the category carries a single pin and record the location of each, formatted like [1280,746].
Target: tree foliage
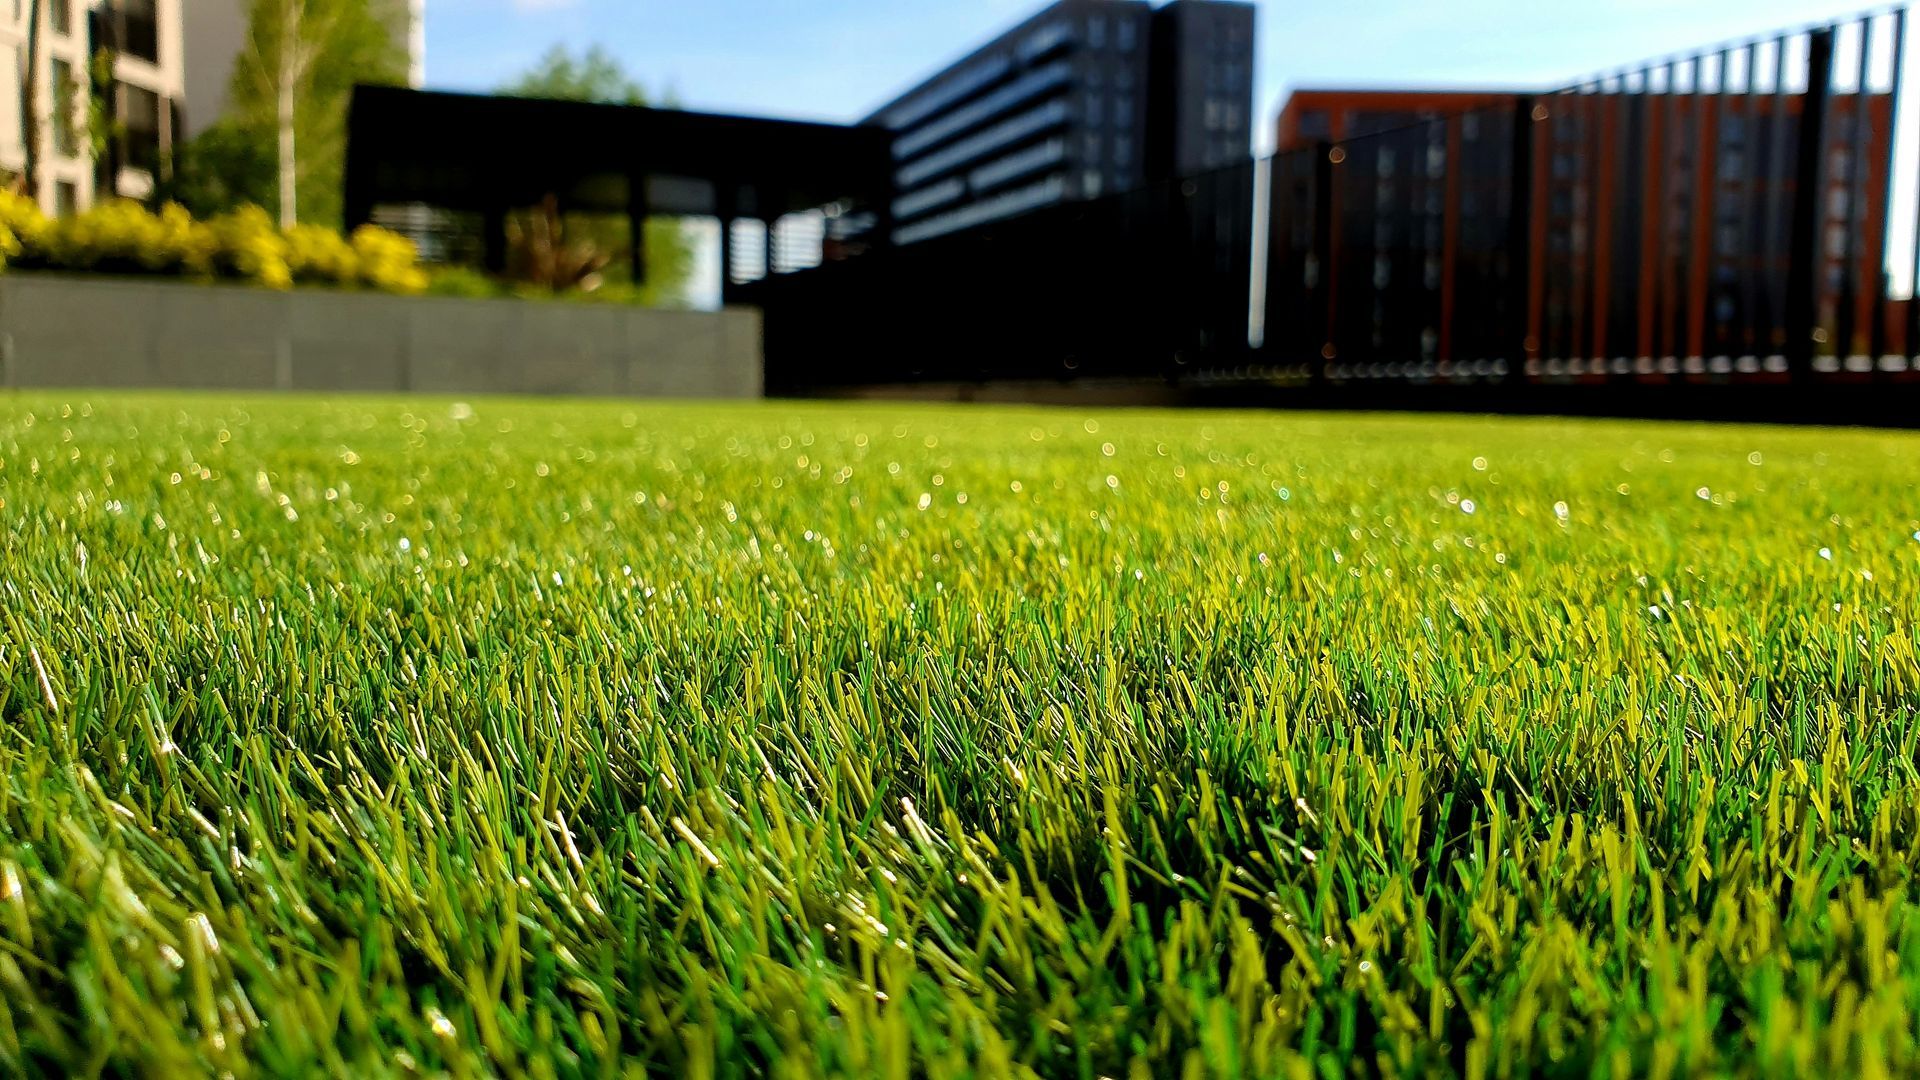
[227,166]
[595,75]
[337,44]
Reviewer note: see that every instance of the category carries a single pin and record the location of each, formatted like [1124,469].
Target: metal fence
[1723,215]
[1720,217]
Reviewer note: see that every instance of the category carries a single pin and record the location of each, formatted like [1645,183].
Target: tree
[595,75]
[227,166]
[291,84]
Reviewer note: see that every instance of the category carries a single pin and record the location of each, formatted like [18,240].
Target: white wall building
[144,99]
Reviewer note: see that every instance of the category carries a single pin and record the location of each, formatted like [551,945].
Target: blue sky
[836,59]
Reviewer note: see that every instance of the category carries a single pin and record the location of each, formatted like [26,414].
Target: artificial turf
[564,738]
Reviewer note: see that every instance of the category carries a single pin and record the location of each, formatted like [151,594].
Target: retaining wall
[69,331]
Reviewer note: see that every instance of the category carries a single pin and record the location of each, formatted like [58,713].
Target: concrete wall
[63,331]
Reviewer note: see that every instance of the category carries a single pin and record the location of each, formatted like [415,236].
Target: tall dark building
[1200,113]
[1084,99]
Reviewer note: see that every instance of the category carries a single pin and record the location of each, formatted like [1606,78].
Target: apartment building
[142,97]
[1085,98]
[1200,110]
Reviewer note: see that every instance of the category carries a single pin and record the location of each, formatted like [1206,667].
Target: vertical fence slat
[1846,313]
[1652,212]
[1603,221]
[1705,203]
[1659,162]
[1520,333]
[1803,247]
[1747,337]
[1877,338]
[1779,212]
[1324,208]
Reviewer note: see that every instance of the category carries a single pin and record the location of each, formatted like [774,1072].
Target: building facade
[1657,234]
[140,95]
[1200,112]
[1083,99]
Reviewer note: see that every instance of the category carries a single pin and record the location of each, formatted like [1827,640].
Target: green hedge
[125,238]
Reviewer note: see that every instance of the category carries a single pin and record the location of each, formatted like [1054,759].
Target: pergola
[489,155]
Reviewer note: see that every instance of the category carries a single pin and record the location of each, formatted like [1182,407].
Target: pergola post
[637,227]
[725,199]
[493,228]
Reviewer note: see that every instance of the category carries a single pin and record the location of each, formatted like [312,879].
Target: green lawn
[564,738]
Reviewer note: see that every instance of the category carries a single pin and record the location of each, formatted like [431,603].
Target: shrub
[320,256]
[251,248]
[121,237]
[190,244]
[388,261]
[463,282]
[23,225]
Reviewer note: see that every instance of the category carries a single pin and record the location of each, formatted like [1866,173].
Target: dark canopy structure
[488,155]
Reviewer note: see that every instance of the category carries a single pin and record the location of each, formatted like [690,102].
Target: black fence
[1720,218]
[1723,215]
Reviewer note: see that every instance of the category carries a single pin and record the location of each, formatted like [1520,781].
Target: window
[1124,37]
[140,30]
[1315,124]
[1097,32]
[66,100]
[140,121]
[1033,83]
[1045,40]
[66,198]
[62,17]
